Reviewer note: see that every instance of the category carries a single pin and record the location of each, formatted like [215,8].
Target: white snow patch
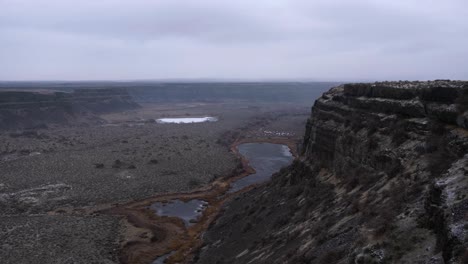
[242,253]
[277,133]
[286,151]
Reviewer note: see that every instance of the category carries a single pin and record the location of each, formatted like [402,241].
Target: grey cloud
[320,39]
[143,20]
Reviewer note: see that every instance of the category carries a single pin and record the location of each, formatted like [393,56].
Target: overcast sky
[336,40]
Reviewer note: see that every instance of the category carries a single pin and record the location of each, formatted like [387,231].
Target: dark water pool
[188,211]
[265,158]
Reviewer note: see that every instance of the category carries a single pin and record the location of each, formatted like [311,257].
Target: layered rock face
[102,100]
[28,109]
[383,178]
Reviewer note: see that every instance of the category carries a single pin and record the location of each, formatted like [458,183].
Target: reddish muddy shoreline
[148,236]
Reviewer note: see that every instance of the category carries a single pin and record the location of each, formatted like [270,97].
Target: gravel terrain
[58,239]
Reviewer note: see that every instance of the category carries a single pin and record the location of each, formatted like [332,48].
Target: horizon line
[208,80]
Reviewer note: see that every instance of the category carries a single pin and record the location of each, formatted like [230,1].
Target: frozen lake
[186,120]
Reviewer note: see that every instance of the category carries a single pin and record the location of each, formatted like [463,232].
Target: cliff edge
[21,109]
[382,179]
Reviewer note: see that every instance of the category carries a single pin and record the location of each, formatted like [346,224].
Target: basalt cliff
[383,178]
[22,109]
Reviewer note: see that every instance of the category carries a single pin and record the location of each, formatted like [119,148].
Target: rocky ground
[59,239]
[44,173]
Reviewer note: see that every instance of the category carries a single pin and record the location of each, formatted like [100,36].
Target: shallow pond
[186,120]
[265,158]
[187,211]
[162,259]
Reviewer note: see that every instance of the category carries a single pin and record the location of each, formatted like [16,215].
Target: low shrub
[193,183]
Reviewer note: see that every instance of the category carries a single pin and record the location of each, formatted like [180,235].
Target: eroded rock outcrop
[383,178]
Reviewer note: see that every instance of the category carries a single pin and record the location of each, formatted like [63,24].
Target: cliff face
[382,179]
[28,109]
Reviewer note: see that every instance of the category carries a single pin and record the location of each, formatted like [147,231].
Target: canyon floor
[380,176]
[54,181]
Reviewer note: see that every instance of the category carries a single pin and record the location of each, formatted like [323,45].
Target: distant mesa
[22,109]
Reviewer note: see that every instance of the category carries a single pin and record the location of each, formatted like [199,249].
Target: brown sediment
[148,236]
